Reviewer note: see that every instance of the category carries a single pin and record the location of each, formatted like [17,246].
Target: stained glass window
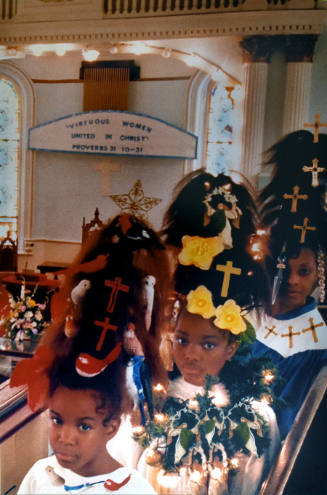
[9,157]
[220,129]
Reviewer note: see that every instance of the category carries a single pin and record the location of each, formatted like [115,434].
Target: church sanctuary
[105,106]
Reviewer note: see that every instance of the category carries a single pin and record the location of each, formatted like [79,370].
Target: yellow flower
[200,251]
[31,303]
[228,317]
[199,301]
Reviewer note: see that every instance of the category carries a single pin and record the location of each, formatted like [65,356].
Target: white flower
[179,451]
[219,395]
[194,405]
[28,315]
[38,316]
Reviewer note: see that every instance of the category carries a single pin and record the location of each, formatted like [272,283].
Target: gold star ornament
[135,202]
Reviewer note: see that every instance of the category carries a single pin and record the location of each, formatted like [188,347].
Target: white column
[298,50]
[256,74]
[197,117]
[297,96]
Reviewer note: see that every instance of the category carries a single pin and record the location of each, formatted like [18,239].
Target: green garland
[244,375]
[197,431]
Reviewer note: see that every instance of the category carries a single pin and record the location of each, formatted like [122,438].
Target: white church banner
[111,132]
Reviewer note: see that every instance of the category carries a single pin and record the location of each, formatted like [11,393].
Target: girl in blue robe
[294,334]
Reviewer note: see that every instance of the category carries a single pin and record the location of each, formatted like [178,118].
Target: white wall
[68,187]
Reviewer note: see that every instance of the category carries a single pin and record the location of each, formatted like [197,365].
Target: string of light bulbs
[91,54]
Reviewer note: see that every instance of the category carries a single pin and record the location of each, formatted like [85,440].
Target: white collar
[68,477]
[293,332]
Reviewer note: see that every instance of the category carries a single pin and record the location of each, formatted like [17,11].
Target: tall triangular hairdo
[294,203]
[211,223]
[106,294]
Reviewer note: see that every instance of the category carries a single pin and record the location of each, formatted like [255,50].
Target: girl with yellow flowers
[212,432]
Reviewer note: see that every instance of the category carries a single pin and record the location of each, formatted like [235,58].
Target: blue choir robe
[296,342]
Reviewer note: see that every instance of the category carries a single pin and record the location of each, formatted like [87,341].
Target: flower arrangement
[25,320]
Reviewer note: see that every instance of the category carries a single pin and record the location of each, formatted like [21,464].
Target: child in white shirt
[82,418]
[78,370]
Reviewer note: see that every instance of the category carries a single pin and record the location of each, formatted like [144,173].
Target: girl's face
[199,348]
[301,276]
[78,432]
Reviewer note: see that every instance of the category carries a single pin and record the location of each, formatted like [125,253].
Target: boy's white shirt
[47,477]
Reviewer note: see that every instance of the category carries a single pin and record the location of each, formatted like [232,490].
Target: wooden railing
[130,8]
[7,9]
[10,9]
[169,7]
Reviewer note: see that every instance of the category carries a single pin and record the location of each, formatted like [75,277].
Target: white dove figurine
[148,284]
[78,292]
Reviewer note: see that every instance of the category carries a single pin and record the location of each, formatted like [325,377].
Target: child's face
[200,348]
[301,276]
[77,431]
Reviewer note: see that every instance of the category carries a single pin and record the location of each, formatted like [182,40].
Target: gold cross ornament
[290,335]
[312,328]
[315,169]
[304,229]
[228,270]
[316,125]
[270,331]
[295,197]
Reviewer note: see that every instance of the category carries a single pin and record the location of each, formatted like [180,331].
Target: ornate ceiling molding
[168,27]
[296,47]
